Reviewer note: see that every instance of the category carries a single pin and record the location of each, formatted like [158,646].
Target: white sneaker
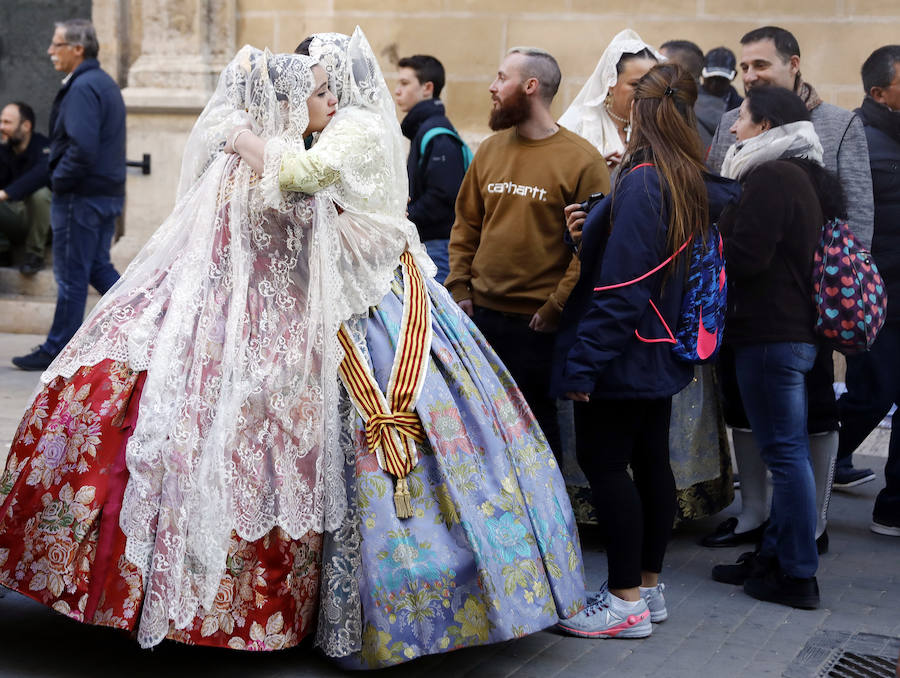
[607,616]
[656,602]
[887,530]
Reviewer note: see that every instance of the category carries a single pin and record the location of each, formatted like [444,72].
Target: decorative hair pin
[669,92]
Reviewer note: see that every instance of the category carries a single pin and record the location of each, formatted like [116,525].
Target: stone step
[41,285]
[24,314]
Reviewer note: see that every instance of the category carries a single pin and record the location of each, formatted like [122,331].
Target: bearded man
[510,268]
[24,187]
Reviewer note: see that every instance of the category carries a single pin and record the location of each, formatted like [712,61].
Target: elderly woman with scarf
[770,239]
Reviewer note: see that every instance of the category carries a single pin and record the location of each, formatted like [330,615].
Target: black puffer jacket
[434,179]
[882,128]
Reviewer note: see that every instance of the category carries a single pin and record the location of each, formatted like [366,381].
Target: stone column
[184,44]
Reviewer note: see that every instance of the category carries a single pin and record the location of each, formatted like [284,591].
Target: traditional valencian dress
[278,421]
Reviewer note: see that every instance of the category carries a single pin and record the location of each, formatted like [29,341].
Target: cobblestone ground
[713,629]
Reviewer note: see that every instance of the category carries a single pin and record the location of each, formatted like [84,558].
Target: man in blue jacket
[87,175]
[24,187]
[435,175]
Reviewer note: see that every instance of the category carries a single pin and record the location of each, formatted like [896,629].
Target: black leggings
[635,516]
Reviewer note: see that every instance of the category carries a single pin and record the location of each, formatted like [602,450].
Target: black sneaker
[777,587]
[38,359]
[748,565]
[847,476]
[32,264]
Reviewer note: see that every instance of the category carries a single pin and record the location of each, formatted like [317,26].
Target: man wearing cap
[716,94]
[719,66]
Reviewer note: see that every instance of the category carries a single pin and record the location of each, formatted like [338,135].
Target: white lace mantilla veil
[364,143]
[227,307]
[587,115]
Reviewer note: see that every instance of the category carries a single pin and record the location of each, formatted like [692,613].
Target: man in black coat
[24,187]
[873,378]
[435,171]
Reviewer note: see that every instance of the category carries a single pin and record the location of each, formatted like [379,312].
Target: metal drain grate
[852,665]
[831,654]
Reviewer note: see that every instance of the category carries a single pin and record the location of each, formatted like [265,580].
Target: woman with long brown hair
[614,353]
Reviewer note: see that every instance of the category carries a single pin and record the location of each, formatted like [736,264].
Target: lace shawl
[229,309]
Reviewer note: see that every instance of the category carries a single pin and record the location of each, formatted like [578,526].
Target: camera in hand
[592,200]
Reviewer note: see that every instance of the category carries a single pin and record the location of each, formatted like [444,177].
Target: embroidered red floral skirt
[61,544]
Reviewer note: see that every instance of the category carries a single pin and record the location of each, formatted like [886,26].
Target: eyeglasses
[57,45]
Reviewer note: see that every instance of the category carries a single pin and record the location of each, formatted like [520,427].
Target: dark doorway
[26,73]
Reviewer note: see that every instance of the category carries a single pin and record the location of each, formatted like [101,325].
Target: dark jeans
[873,385]
[437,250]
[635,515]
[83,228]
[528,355]
[772,381]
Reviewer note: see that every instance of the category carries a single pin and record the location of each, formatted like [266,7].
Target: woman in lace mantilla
[490,551]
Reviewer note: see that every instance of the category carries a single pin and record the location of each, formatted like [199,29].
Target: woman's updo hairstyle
[776,105]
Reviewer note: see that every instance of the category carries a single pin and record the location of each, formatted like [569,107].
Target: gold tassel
[403,499]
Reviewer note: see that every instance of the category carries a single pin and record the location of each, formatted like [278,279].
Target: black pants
[636,515]
[873,385]
[528,355]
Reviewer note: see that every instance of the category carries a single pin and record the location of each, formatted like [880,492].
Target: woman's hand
[242,130]
[246,144]
[578,396]
[575,217]
[613,159]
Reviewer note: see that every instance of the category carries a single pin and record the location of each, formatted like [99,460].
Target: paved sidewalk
[713,629]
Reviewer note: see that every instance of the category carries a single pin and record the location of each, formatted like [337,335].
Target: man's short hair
[26,112]
[878,69]
[785,43]
[690,56]
[540,64]
[81,32]
[427,69]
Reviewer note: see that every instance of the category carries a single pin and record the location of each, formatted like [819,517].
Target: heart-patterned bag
[849,293]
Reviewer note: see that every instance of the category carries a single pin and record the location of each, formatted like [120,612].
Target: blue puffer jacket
[87,134]
[605,342]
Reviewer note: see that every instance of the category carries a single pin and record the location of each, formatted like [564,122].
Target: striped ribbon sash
[392,426]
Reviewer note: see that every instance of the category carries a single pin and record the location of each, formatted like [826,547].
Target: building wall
[167,51]
[471,36]
[26,73]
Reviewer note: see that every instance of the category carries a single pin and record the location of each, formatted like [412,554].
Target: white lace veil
[364,143]
[587,115]
[240,400]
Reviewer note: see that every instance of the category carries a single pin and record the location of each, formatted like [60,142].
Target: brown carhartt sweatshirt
[507,251]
